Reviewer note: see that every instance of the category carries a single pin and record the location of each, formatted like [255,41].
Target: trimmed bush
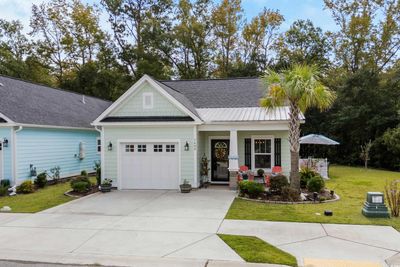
[278,182]
[290,194]
[81,184]
[80,187]
[316,184]
[41,180]
[26,187]
[305,175]
[251,189]
[260,172]
[84,173]
[5,183]
[3,190]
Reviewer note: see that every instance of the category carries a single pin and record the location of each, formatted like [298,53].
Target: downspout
[14,152]
[100,130]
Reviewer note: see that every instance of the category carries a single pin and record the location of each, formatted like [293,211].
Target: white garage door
[149,166]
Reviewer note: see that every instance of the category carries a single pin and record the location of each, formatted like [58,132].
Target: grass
[350,183]
[48,197]
[253,249]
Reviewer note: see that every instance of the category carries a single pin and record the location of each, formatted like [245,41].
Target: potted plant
[204,171]
[186,187]
[106,185]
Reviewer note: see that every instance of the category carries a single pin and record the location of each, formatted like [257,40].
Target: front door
[219,160]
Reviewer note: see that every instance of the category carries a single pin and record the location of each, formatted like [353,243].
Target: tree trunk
[294,136]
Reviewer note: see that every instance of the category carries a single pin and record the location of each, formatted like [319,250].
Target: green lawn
[42,199]
[350,183]
[253,249]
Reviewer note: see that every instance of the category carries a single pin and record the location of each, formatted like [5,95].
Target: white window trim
[144,96]
[253,163]
[97,145]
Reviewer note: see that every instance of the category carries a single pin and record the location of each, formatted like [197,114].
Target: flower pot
[185,188]
[105,188]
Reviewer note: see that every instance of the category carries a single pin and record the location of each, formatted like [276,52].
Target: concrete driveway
[120,226]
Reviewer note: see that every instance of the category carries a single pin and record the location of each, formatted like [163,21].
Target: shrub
[260,172]
[277,182]
[80,187]
[290,194]
[81,184]
[5,183]
[392,192]
[84,173]
[3,190]
[250,188]
[26,187]
[316,184]
[97,168]
[41,180]
[306,174]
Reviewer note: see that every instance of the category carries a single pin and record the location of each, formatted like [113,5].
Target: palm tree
[300,88]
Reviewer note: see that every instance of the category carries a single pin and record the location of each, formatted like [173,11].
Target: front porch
[227,150]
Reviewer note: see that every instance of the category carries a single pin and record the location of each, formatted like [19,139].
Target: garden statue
[204,171]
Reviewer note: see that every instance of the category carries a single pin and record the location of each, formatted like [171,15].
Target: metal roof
[244,114]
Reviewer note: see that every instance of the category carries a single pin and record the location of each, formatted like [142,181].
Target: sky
[292,10]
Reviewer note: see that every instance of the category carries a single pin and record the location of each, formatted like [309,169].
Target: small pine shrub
[5,183]
[3,190]
[26,187]
[80,187]
[316,184]
[84,173]
[260,172]
[278,182]
[41,180]
[305,175]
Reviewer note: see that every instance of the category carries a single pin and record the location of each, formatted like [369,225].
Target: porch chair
[244,173]
[275,171]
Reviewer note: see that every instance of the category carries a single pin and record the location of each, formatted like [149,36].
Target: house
[43,127]
[156,134]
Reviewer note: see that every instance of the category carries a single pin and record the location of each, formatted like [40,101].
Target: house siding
[183,133]
[47,148]
[133,106]
[6,132]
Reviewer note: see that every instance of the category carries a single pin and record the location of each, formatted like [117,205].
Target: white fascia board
[6,118]
[272,126]
[54,127]
[134,88]
[155,124]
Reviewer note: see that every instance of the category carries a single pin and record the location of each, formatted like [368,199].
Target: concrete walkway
[354,245]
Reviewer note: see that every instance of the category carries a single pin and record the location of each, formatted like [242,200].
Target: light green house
[156,134]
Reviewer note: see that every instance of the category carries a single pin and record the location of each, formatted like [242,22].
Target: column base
[233,180]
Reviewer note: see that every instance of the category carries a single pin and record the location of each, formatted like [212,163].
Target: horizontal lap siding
[47,148]
[183,133]
[134,105]
[5,132]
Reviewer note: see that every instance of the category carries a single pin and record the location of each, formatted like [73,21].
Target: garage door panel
[152,169]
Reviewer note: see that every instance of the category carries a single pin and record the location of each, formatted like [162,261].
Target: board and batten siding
[133,105]
[6,132]
[183,133]
[46,148]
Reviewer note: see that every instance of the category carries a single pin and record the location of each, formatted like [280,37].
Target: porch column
[233,159]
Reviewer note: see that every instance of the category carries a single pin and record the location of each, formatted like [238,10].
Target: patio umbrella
[317,139]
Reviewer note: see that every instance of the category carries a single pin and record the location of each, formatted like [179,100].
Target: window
[129,148]
[141,148]
[262,153]
[170,148]
[157,148]
[147,100]
[98,143]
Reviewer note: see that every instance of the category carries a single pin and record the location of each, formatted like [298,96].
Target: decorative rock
[5,208]
[318,214]
[303,197]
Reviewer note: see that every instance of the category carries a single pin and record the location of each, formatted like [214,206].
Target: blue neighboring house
[43,127]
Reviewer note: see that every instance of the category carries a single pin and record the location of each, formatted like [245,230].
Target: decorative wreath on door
[221,150]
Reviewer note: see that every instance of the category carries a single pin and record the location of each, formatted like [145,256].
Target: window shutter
[278,152]
[247,152]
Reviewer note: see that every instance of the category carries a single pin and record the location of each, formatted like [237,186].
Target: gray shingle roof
[220,93]
[30,103]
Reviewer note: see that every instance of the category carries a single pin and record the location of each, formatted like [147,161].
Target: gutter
[14,152]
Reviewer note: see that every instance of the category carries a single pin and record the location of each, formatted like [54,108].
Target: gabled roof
[24,102]
[220,93]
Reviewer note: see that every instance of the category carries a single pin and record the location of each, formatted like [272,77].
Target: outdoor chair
[275,171]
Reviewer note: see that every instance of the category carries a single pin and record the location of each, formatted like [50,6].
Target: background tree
[301,87]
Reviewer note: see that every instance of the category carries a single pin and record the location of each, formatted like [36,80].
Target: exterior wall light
[5,142]
[186,146]
[110,146]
